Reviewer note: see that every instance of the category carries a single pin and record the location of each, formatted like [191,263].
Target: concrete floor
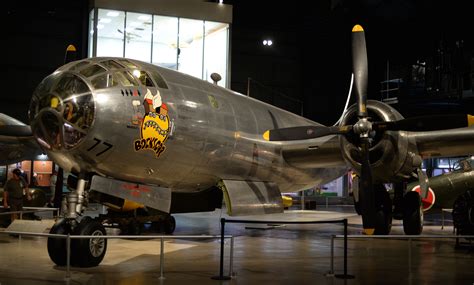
[288,254]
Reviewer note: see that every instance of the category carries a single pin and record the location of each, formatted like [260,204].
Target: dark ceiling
[309,63]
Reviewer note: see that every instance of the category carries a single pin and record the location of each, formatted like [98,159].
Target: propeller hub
[363,127]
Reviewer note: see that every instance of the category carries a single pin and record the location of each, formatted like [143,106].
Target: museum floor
[283,254]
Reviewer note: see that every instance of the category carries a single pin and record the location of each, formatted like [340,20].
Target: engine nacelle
[393,155]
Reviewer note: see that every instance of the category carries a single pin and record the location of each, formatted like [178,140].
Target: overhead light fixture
[267,42]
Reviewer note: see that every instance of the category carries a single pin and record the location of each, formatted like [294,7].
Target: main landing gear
[89,252]
[84,252]
[404,207]
[408,207]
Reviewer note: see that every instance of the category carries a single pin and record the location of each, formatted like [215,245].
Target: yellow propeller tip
[357,28]
[368,232]
[71,48]
[470,120]
[266,135]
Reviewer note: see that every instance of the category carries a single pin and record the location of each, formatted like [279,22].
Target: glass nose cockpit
[61,111]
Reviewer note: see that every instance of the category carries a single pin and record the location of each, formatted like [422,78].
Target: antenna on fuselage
[215,77]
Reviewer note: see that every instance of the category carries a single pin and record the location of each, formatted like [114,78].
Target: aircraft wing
[16,141]
[323,152]
[444,143]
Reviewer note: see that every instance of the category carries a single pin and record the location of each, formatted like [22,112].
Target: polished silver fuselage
[215,134]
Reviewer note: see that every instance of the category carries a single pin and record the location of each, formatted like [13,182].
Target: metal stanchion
[345,275]
[221,267]
[409,256]
[162,259]
[231,262]
[68,256]
[331,271]
[442,218]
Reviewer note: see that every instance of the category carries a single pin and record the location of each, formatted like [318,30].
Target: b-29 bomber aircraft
[139,134]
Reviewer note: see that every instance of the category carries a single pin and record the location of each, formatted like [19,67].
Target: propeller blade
[366,190]
[359,65]
[427,123]
[70,54]
[304,132]
[15,131]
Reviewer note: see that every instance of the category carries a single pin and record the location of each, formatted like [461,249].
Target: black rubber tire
[463,213]
[169,225]
[412,214]
[57,246]
[90,252]
[383,216]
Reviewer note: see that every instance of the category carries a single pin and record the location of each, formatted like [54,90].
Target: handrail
[161,237]
[223,221]
[406,237]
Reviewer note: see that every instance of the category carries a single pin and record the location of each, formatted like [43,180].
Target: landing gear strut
[84,252]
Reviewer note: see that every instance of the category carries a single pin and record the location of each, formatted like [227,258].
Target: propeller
[15,130]
[364,127]
[70,54]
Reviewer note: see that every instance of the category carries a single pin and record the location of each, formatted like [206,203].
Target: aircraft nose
[61,111]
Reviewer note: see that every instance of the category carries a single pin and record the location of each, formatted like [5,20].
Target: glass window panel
[165,37]
[144,78]
[101,81]
[92,70]
[215,50]
[110,33]
[190,47]
[159,79]
[110,64]
[127,63]
[124,78]
[79,65]
[138,36]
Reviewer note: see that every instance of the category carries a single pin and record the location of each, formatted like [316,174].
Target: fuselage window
[124,78]
[69,85]
[92,70]
[127,63]
[78,65]
[143,77]
[110,64]
[158,79]
[102,81]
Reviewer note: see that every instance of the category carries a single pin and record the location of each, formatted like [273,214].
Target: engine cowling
[393,155]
